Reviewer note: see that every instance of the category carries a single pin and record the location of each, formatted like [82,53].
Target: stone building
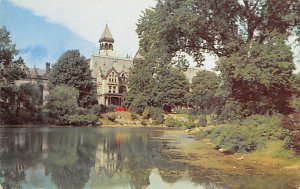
[110,71]
[37,78]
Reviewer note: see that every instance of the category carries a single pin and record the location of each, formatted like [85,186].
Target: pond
[114,158]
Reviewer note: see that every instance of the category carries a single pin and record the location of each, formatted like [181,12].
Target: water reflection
[105,158]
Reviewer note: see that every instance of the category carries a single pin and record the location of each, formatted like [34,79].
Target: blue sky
[37,40]
[44,29]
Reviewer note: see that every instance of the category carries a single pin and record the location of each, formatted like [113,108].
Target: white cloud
[87,18]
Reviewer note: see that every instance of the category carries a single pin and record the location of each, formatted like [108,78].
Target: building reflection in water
[103,158]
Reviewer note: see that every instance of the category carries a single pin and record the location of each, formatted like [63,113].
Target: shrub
[156,115]
[111,108]
[171,122]
[190,124]
[112,117]
[146,113]
[143,122]
[133,116]
[232,110]
[78,120]
[202,120]
[192,115]
[135,102]
[248,134]
[181,111]
[97,109]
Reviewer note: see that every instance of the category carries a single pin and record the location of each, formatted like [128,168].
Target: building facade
[40,80]
[110,71]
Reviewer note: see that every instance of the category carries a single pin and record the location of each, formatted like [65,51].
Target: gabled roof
[104,64]
[106,35]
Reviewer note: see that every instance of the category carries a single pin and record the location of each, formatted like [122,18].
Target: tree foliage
[63,100]
[259,76]
[29,97]
[166,89]
[141,84]
[72,70]
[204,91]
[218,27]
[249,37]
[9,72]
[172,90]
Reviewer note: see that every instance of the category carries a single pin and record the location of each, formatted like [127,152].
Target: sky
[44,29]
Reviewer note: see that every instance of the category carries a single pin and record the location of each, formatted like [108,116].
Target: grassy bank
[262,139]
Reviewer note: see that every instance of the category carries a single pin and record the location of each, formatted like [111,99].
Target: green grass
[247,135]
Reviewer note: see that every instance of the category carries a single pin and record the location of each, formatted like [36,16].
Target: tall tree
[172,90]
[259,76]
[9,72]
[204,91]
[218,27]
[63,100]
[29,98]
[141,84]
[72,70]
[231,30]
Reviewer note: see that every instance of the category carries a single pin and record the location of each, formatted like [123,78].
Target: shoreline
[73,126]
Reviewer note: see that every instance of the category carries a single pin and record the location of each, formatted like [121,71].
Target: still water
[109,158]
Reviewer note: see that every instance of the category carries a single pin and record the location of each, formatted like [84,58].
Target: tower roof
[106,35]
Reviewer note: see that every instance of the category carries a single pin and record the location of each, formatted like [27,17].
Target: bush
[232,110]
[248,134]
[170,122]
[78,120]
[133,116]
[156,115]
[190,124]
[112,117]
[181,111]
[192,115]
[146,113]
[202,120]
[111,108]
[97,109]
[136,103]
[143,122]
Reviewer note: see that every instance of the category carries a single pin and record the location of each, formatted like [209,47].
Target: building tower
[106,41]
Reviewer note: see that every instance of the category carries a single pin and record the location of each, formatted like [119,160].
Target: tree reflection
[71,157]
[104,158]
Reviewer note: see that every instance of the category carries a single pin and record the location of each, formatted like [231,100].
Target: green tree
[235,31]
[29,98]
[218,27]
[259,76]
[172,90]
[63,100]
[141,84]
[72,70]
[9,72]
[204,91]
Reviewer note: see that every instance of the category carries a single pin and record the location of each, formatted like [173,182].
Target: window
[113,77]
[114,89]
[109,91]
